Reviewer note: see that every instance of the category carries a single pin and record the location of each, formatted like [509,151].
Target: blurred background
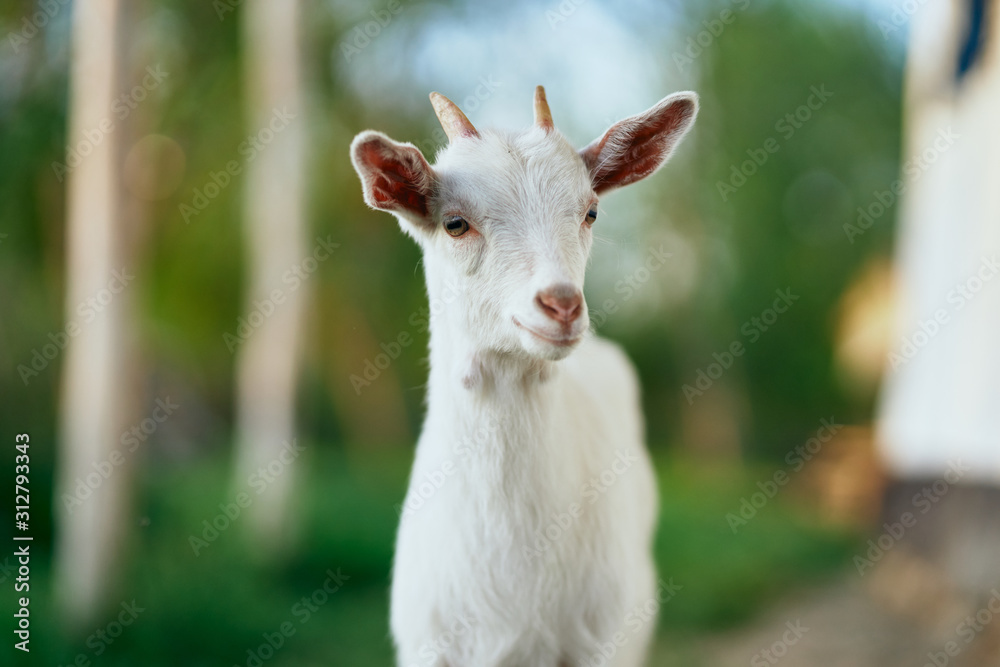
[219,352]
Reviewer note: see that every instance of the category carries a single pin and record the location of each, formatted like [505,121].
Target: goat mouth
[562,341]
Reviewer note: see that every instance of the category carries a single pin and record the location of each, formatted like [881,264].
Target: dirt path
[838,625]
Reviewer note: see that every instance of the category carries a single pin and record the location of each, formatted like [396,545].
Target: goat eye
[592,214]
[456,226]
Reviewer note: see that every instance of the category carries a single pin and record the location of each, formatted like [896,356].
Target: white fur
[526,535]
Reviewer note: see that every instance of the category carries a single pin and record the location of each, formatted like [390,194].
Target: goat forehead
[514,176]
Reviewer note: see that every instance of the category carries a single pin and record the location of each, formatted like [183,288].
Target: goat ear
[395,177]
[634,148]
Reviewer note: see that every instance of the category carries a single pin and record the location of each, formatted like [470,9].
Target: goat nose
[561,302]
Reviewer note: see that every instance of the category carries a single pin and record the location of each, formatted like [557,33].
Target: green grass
[214,608]
[728,576]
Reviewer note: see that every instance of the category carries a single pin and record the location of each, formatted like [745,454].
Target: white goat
[526,536]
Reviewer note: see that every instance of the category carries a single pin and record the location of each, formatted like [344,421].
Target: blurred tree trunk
[96,399]
[274,211]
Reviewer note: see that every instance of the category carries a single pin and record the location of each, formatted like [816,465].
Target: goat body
[525,536]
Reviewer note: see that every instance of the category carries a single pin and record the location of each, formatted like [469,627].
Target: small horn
[452,119]
[543,117]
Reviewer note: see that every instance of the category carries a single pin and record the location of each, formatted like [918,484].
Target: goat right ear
[395,177]
[636,147]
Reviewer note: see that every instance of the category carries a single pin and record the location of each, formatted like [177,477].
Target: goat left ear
[634,148]
[395,177]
